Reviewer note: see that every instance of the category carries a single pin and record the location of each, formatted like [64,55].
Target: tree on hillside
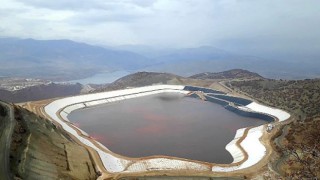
[303,150]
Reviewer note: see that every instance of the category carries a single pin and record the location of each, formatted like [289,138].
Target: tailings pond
[164,124]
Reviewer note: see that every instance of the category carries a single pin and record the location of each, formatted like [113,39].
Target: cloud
[85,4]
[243,25]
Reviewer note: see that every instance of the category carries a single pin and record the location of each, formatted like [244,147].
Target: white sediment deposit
[251,144]
[58,110]
[234,150]
[165,164]
[278,113]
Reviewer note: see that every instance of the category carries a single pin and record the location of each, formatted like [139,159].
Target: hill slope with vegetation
[140,79]
[301,97]
[230,74]
[298,146]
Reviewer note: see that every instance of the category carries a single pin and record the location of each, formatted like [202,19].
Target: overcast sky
[239,25]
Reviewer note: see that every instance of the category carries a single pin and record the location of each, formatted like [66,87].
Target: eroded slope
[40,150]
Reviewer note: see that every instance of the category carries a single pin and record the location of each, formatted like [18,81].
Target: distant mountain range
[56,59]
[65,59]
[190,61]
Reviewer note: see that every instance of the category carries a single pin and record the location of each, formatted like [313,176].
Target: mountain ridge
[36,58]
[229,74]
[139,79]
[68,60]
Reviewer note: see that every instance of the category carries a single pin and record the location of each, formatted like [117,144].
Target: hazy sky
[243,25]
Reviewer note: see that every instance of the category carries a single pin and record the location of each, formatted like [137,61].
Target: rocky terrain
[40,150]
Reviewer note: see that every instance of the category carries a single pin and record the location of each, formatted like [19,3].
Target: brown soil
[40,150]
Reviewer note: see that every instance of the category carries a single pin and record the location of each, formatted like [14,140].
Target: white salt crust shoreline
[119,164]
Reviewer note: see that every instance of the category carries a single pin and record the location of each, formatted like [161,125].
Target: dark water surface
[164,124]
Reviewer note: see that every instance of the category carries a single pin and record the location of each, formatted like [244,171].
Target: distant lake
[102,78]
[164,124]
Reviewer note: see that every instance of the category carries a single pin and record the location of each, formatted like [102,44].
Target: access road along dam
[250,147]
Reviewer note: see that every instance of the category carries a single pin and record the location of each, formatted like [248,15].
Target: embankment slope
[40,150]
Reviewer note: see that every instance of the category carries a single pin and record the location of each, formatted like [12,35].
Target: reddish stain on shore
[76,124]
[105,140]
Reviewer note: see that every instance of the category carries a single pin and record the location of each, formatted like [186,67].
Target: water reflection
[164,124]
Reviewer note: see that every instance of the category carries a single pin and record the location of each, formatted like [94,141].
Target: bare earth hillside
[40,150]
